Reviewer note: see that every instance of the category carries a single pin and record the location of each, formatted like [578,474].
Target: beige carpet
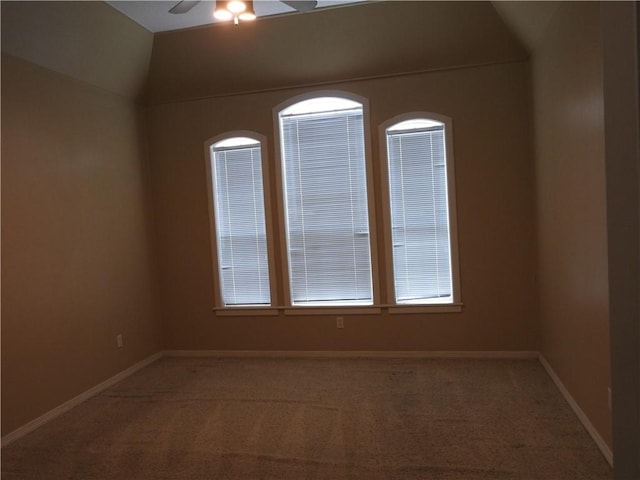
[316,419]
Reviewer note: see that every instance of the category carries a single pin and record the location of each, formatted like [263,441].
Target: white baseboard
[602,445]
[507,354]
[68,405]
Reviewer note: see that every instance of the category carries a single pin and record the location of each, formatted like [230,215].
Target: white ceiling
[155,16]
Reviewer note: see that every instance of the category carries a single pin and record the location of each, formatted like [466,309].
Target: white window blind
[236,166]
[326,210]
[419,212]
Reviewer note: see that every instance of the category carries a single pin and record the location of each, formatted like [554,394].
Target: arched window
[326,226]
[324,179]
[240,246]
[419,175]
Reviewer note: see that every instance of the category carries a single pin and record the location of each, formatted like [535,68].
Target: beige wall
[491,121]
[76,239]
[571,207]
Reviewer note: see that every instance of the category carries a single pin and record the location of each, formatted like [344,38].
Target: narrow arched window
[419,211]
[324,177]
[240,228]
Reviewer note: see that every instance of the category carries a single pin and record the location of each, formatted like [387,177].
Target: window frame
[281,205]
[218,302]
[378,198]
[393,306]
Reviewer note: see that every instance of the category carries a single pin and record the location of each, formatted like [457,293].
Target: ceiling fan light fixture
[235,10]
[221,12]
[239,9]
[236,6]
[223,15]
[249,13]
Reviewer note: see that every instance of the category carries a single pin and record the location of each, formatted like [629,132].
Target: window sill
[432,308]
[342,310]
[246,311]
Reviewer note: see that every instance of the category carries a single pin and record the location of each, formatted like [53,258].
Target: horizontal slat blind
[419,215]
[326,207]
[240,225]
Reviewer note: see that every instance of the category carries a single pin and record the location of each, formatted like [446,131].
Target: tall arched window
[420,181]
[324,178]
[237,196]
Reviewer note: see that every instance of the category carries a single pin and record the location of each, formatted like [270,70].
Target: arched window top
[236,139]
[235,142]
[416,121]
[320,105]
[415,124]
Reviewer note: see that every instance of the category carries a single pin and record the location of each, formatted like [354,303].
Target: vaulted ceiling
[96,43]
[364,40]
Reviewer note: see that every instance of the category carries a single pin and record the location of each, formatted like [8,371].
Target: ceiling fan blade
[301,5]
[183,7]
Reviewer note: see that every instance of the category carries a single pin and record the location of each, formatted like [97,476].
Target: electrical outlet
[119,341]
[339,322]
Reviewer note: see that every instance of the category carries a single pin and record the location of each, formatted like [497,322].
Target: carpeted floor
[333,419]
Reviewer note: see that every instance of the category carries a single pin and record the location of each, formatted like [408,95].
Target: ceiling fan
[300,5]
